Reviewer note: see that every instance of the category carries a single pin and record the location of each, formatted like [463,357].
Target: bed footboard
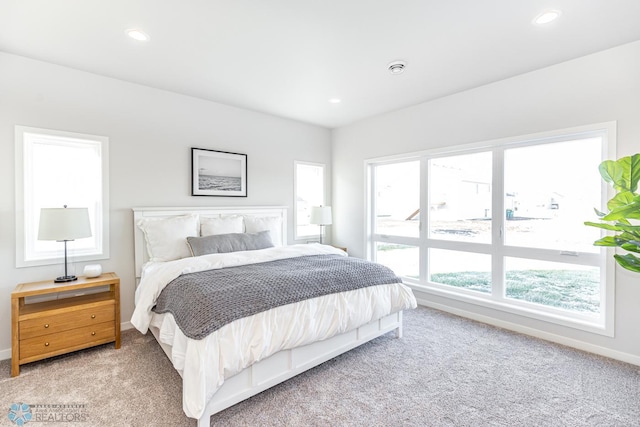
[286,364]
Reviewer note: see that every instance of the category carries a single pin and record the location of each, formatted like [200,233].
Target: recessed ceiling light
[335,100]
[396,67]
[138,35]
[547,16]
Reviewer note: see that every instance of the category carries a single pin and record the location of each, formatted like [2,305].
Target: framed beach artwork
[218,173]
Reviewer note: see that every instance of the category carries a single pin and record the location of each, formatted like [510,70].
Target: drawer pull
[93,316]
[46,344]
[93,333]
[46,325]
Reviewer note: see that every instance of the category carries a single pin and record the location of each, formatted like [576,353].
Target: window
[309,191]
[53,169]
[501,224]
[397,205]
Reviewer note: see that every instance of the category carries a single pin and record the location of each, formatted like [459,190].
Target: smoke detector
[396,67]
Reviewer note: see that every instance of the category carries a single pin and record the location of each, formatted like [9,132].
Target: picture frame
[218,173]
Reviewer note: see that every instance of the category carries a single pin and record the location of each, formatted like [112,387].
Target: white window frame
[296,163]
[604,325]
[25,227]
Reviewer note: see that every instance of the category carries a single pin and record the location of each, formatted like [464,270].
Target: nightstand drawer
[51,324]
[67,340]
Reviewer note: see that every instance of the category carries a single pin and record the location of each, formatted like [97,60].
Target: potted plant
[624,210]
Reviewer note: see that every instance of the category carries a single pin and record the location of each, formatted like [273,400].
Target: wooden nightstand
[49,328]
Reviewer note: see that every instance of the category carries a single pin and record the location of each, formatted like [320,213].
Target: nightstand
[49,328]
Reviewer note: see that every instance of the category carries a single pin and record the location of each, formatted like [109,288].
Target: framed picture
[218,173]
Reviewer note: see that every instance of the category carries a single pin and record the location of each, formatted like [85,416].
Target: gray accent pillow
[232,242]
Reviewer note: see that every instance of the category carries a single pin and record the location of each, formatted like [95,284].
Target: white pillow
[272,223]
[167,237]
[221,225]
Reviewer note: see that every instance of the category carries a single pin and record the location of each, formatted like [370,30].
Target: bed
[252,351]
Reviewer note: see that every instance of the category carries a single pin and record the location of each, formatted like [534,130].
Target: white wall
[597,88]
[151,133]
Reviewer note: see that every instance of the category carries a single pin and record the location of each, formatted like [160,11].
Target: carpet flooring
[445,371]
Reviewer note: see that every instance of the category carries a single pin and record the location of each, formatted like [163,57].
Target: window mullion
[497,225]
[370,214]
[424,219]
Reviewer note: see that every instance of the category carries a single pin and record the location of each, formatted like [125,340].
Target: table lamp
[321,215]
[64,225]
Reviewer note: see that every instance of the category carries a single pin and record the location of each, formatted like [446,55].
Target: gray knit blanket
[205,301]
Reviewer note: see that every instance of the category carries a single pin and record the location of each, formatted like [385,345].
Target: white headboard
[140,250]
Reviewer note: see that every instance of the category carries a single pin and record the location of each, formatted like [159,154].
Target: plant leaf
[629,232]
[600,225]
[621,199]
[630,171]
[635,172]
[629,261]
[629,235]
[604,225]
[606,241]
[631,247]
[626,238]
[631,210]
[613,173]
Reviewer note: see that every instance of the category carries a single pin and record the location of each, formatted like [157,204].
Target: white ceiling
[289,57]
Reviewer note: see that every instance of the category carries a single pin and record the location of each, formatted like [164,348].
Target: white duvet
[204,364]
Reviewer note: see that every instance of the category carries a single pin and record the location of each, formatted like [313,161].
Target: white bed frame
[282,365]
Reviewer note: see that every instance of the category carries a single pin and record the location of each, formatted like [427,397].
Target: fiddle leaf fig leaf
[613,173]
[630,211]
[629,261]
[631,247]
[603,225]
[629,236]
[632,230]
[621,199]
[635,172]
[630,171]
[606,241]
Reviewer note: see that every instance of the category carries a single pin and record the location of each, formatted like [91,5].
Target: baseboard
[547,336]
[6,354]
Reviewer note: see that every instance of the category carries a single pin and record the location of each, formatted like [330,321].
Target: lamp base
[63,279]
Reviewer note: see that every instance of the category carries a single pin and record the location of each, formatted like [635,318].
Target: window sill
[53,261]
[580,322]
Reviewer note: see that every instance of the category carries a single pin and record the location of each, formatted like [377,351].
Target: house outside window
[432,219]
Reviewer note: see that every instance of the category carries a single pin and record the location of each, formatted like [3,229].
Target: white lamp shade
[321,215]
[64,224]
